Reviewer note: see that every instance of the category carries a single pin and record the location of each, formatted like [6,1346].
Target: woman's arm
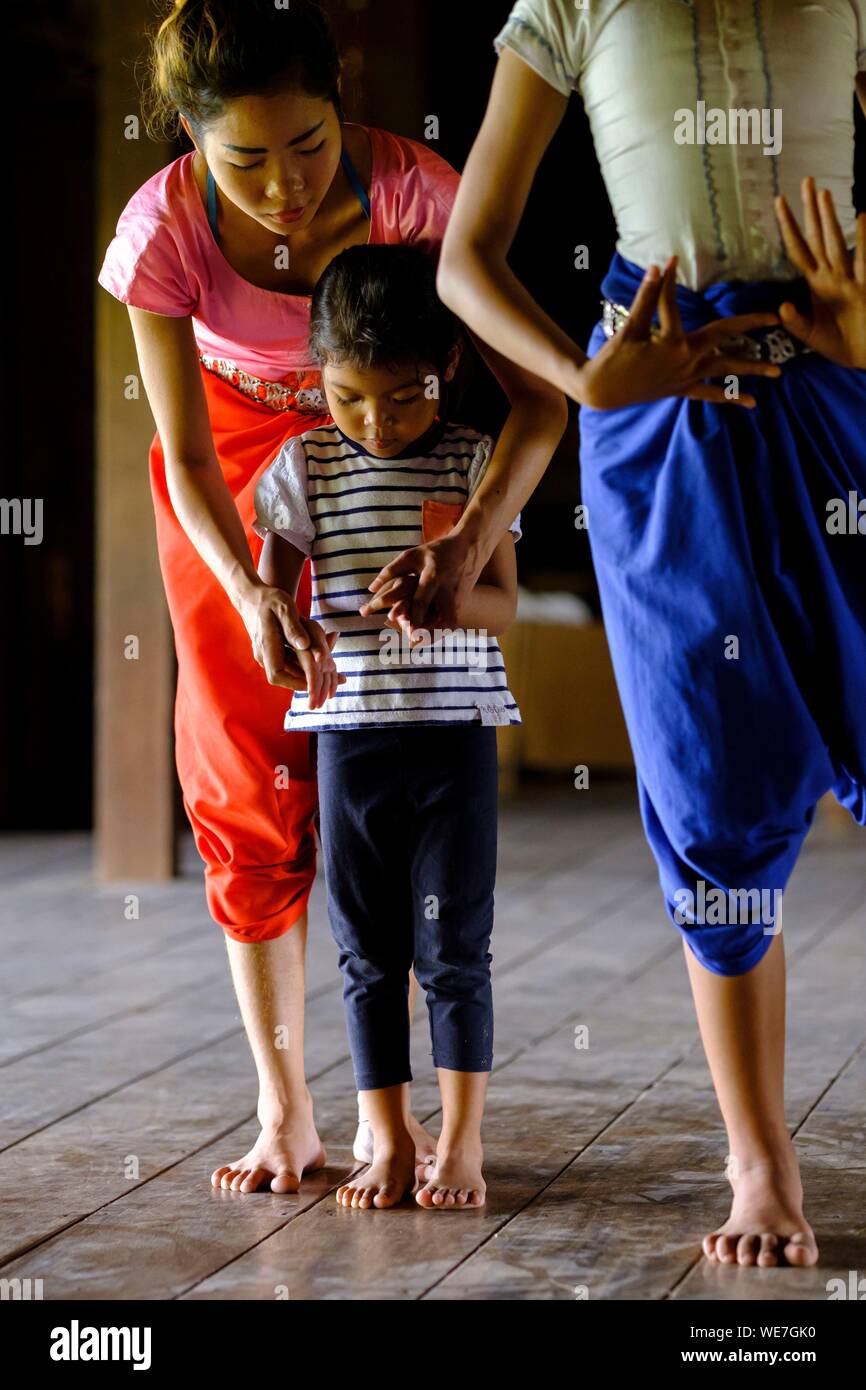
[202,502]
[280,566]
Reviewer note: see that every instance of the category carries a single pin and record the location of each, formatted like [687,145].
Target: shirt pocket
[438,518]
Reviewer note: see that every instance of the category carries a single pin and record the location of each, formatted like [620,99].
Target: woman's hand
[295,651]
[425,585]
[636,365]
[837,328]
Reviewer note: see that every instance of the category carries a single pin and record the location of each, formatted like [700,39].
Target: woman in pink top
[216,257]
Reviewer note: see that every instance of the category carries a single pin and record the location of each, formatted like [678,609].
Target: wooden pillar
[134,771]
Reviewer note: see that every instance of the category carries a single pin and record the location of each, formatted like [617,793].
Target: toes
[386,1195]
[747,1252]
[726,1250]
[424,1196]
[217,1176]
[286,1180]
[801,1249]
[238,1178]
[768,1255]
[477,1197]
[228,1178]
[462,1197]
[254,1179]
[708,1245]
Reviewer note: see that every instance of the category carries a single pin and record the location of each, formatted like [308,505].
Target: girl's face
[384,411]
[273,157]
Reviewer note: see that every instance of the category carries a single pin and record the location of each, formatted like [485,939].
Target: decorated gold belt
[774,345]
[306,396]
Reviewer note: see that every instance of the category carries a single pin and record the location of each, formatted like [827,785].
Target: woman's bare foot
[386,1182]
[453,1180]
[425,1144]
[287,1147]
[766,1226]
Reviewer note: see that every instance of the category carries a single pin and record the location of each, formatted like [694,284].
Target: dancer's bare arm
[170,371]
[476,281]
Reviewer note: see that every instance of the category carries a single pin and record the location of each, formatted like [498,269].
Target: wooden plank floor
[125,1079]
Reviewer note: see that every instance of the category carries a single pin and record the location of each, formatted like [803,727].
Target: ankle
[279,1110]
[460,1145]
[391,1141]
[763,1160]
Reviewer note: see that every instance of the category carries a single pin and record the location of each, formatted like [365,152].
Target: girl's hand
[443,577]
[294,651]
[636,365]
[837,328]
[396,595]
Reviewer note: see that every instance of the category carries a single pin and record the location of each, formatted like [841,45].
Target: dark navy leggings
[408,829]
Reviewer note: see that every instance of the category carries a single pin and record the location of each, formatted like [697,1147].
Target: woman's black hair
[207,52]
[377,306]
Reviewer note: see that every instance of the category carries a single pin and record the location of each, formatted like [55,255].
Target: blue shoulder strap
[212,205]
[356,183]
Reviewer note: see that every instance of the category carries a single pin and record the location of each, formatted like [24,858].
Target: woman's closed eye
[242,168]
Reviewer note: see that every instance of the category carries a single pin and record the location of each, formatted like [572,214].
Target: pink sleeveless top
[164,257]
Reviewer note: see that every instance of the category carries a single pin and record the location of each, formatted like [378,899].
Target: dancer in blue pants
[732,574]
[724,475]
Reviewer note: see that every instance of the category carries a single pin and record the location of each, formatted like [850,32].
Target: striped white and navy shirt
[351,513]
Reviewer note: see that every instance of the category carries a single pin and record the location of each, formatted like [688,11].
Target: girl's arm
[202,502]
[492,605]
[281,563]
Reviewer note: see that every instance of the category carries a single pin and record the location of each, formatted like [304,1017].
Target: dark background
[46,591]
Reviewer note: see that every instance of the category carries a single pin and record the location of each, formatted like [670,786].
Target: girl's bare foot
[386,1182]
[425,1144]
[453,1180]
[766,1226]
[287,1147]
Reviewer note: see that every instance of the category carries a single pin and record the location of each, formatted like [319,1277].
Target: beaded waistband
[774,344]
[306,396]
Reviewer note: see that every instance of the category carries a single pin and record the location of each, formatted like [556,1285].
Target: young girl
[406,733]
[708,523]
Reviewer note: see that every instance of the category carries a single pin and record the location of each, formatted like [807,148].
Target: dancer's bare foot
[287,1147]
[453,1180]
[766,1226]
[425,1144]
[387,1180]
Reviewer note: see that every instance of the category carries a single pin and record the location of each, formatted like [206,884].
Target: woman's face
[273,157]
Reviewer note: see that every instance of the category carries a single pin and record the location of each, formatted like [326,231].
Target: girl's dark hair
[377,306]
[206,52]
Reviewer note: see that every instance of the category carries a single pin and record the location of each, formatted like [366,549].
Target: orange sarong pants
[249,788]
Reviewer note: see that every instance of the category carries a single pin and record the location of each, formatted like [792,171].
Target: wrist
[472,533]
[574,379]
[244,588]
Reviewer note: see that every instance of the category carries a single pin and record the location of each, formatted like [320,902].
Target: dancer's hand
[837,328]
[636,365]
[294,651]
[442,580]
